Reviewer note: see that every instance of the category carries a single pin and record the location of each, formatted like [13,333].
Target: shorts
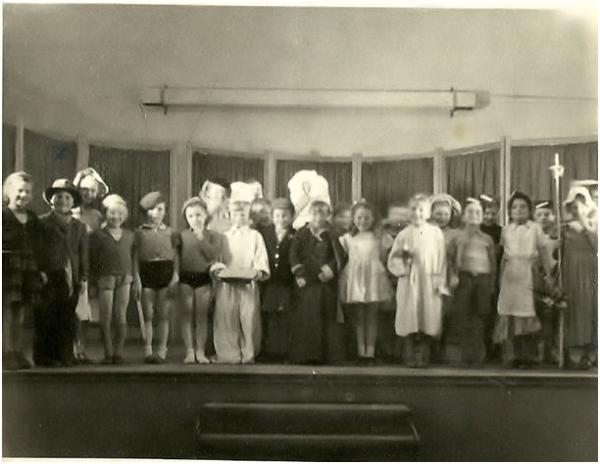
[156,274]
[112,282]
[195,279]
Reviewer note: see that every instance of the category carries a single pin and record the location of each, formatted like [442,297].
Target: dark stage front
[161,411]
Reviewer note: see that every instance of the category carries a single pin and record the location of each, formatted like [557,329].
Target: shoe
[84,360]
[118,359]
[201,358]
[159,360]
[149,359]
[22,361]
[190,358]
[108,360]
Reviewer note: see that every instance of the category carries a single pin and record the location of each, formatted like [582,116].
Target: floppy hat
[578,190]
[150,200]
[62,185]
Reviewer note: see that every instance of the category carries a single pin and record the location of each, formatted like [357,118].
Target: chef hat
[242,192]
[103,188]
[444,198]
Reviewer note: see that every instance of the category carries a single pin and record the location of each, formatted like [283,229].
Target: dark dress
[492,350]
[276,294]
[316,336]
[21,283]
[63,251]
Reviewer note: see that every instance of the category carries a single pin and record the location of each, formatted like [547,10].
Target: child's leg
[164,308]
[202,297]
[249,310]
[371,320]
[148,298]
[121,302]
[410,350]
[483,298]
[7,333]
[424,352]
[226,321]
[358,311]
[18,317]
[186,305]
[106,301]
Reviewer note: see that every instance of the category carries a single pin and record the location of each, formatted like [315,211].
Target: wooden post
[181,181]
[269,176]
[505,177]
[83,153]
[356,176]
[439,171]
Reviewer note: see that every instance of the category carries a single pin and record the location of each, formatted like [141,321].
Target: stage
[138,410]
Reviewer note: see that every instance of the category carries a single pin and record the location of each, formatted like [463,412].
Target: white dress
[364,278]
[420,279]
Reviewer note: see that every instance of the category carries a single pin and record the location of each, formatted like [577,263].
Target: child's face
[88,189]
[489,215]
[282,218]
[214,198]
[473,214]
[543,216]
[594,194]
[442,214]
[116,215]
[363,219]
[419,212]
[157,214]
[196,216]
[519,211]
[260,214]
[343,219]
[19,194]
[578,208]
[318,217]
[62,202]
[399,215]
[239,214]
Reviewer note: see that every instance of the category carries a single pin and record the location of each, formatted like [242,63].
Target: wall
[79,70]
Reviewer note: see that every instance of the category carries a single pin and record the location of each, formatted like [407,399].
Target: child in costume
[278,289]
[21,278]
[199,249]
[475,263]
[92,189]
[364,284]
[158,272]
[580,279]
[63,258]
[342,219]
[317,258]
[113,265]
[523,244]
[418,259]
[215,193]
[237,324]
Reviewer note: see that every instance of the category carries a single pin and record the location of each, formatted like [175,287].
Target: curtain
[47,159]
[132,174]
[229,167]
[386,181]
[9,135]
[529,167]
[472,174]
[337,173]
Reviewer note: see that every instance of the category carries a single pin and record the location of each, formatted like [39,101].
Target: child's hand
[301,282]
[173,287]
[216,268]
[136,290]
[43,278]
[260,275]
[453,281]
[326,274]
[83,287]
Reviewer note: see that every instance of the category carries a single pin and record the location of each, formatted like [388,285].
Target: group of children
[272,291]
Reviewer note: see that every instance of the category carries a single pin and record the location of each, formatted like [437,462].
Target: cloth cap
[62,185]
[448,200]
[112,200]
[543,204]
[282,203]
[150,200]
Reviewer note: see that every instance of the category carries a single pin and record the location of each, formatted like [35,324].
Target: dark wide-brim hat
[62,185]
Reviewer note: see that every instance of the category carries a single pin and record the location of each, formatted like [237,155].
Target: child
[158,272]
[475,263]
[215,193]
[523,244]
[277,290]
[92,189]
[544,216]
[398,217]
[342,219]
[580,279]
[260,213]
[63,257]
[199,248]
[418,259]
[21,280]
[316,257]
[490,225]
[112,263]
[364,283]
[237,326]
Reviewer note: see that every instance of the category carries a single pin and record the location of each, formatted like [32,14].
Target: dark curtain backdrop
[337,173]
[386,181]
[9,136]
[232,168]
[132,174]
[472,174]
[47,159]
[529,167]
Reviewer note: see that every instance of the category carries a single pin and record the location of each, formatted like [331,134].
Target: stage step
[314,431]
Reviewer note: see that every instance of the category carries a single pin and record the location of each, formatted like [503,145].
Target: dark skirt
[21,282]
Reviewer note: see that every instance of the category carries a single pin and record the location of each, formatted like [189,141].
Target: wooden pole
[557,172]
